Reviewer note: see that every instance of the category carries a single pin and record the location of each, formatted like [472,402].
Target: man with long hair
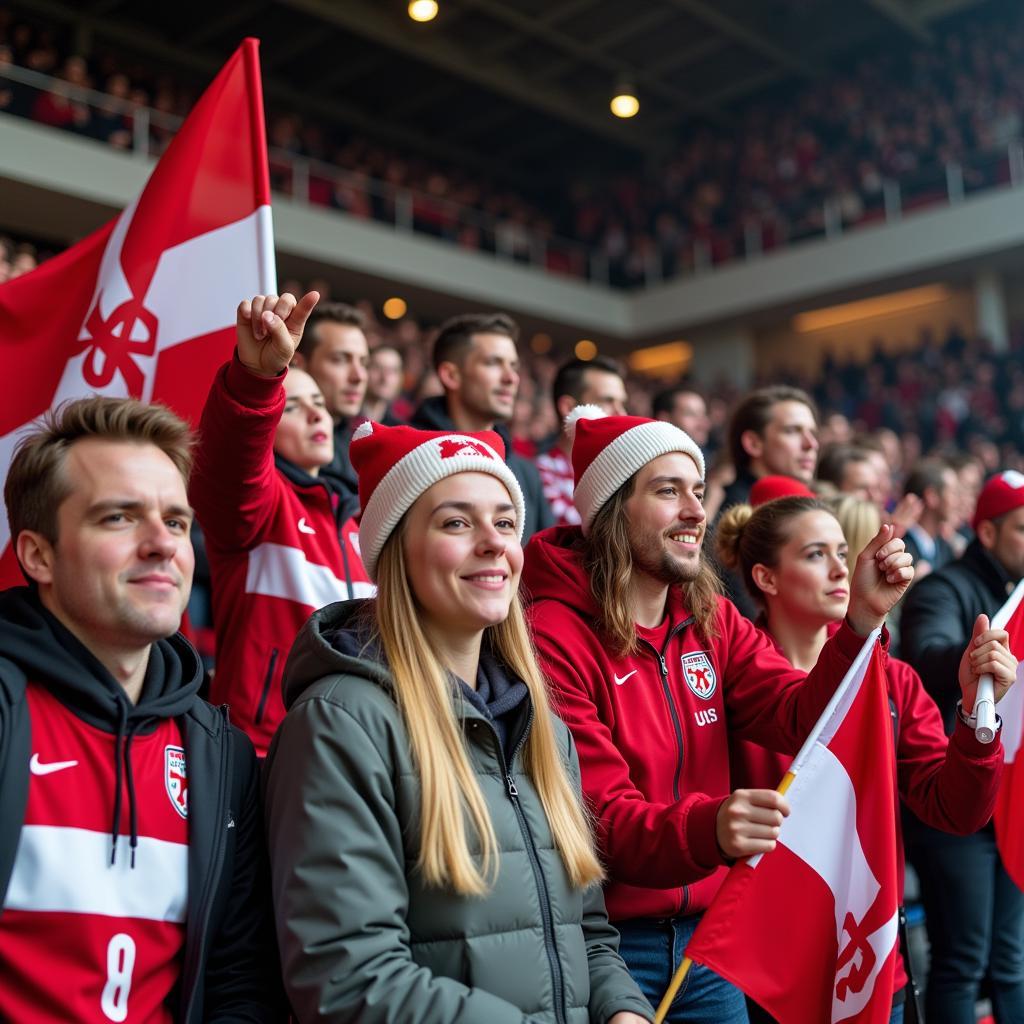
[654,672]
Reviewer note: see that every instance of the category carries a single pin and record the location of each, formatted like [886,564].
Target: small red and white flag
[810,931]
[145,306]
[1009,813]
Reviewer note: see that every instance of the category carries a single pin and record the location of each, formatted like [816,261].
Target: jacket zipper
[205,904]
[547,919]
[261,708]
[676,723]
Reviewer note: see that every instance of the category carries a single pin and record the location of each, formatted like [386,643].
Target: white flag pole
[985,699]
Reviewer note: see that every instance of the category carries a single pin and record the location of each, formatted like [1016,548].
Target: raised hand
[748,822]
[880,578]
[987,653]
[269,329]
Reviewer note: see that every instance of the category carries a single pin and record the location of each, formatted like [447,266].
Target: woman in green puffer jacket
[431,859]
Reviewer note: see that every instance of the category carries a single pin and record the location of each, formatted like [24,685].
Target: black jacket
[433,415]
[737,493]
[340,470]
[938,619]
[229,967]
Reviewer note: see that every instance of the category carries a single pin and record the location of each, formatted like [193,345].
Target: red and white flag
[810,931]
[1009,814]
[145,306]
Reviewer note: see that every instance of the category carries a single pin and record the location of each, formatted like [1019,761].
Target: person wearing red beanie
[655,673]
[973,911]
[430,856]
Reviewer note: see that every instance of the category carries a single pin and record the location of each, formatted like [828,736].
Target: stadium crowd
[310,490]
[895,115]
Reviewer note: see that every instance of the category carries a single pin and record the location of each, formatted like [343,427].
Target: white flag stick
[985,699]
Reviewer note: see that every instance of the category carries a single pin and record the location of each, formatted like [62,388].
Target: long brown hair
[453,808]
[608,562]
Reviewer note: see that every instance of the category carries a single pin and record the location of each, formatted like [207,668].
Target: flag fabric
[145,306]
[810,931]
[1009,813]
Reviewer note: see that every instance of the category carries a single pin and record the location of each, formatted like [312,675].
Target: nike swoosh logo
[619,680]
[37,767]
[303,528]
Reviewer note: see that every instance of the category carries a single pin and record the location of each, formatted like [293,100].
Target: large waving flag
[145,306]
[1009,815]
[810,931]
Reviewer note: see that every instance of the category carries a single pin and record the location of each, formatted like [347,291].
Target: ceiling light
[394,308]
[624,102]
[867,309]
[423,10]
[541,343]
[585,349]
[669,360]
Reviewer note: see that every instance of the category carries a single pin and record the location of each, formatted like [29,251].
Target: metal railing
[144,132]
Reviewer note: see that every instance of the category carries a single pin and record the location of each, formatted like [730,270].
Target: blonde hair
[453,807]
[859,520]
[608,562]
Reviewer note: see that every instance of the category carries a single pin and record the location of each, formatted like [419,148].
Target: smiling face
[305,434]
[810,581]
[120,571]
[463,554]
[666,519]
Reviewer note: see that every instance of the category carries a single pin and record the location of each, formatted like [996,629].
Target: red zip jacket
[653,729]
[950,784]
[273,544]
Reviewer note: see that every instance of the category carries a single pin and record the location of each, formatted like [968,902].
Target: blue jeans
[653,949]
[975,919]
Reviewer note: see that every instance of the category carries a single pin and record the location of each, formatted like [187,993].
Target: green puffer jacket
[361,938]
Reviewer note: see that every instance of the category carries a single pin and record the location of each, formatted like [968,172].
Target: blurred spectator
[383,385]
[599,382]
[935,483]
[334,352]
[685,408]
[849,469]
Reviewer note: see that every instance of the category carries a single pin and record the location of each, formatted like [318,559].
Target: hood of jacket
[334,641]
[33,640]
[553,570]
[432,414]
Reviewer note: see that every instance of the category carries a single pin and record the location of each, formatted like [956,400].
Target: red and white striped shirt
[80,938]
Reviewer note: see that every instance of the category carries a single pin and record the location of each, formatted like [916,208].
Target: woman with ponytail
[792,555]
[431,858]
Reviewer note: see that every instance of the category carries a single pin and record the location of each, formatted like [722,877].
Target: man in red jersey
[654,672]
[132,873]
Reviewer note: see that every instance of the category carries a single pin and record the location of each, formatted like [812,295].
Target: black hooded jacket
[433,415]
[229,967]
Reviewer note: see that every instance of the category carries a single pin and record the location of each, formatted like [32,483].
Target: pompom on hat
[396,465]
[768,488]
[1002,494]
[608,450]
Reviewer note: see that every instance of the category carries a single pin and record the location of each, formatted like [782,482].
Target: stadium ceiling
[519,88]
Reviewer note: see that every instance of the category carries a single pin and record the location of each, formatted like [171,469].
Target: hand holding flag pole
[986,695]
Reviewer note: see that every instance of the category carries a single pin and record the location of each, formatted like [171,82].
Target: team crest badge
[176,779]
[450,447]
[699,674]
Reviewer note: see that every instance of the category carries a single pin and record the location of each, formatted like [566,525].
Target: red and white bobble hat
[608,450]
[397,464]
[1002,494]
